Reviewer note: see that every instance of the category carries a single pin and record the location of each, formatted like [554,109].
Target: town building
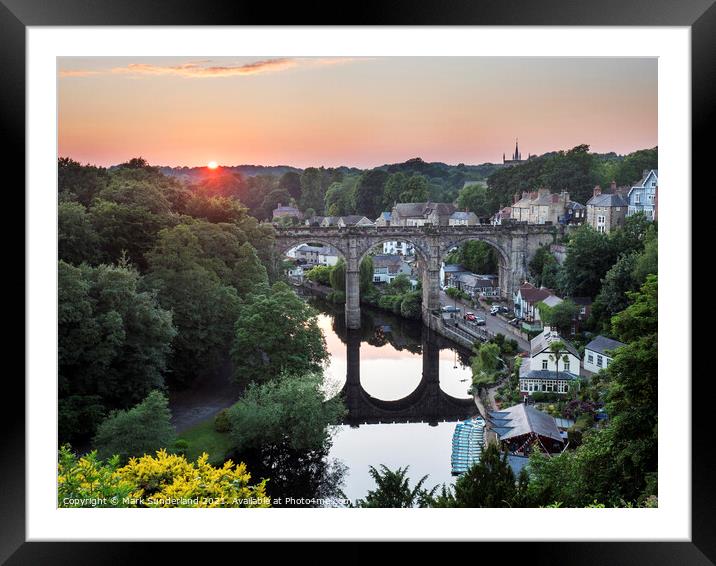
[516,158]
[545,372]
[525,300]
[306,254]
[329,221]
[501,215]
[384,219]
[314,221]
[599,353]
[475,285]
[550,301]
[574,214]
[399,248]
[539,207]
[458,218]
[422,213]
[286,212]
[522,429]
[643,196]
[449,271]
[606,211]
[353,220]
[388,267]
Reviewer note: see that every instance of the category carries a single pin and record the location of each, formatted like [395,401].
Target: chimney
[525,194]
[279,205]
[515,198]
[614,187]
[597,191]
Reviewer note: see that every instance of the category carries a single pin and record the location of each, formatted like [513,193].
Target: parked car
[470,316]
[514,322]
[494,310]
[479,321]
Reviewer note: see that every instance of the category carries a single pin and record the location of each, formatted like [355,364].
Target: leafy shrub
[221,422]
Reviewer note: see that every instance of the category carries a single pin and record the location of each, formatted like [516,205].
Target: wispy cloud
[204,68]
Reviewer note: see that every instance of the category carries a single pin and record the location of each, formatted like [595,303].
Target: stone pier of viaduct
[515,244]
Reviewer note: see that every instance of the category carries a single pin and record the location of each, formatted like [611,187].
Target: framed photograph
[394,277]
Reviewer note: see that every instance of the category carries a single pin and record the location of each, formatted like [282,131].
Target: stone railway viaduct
[515,243]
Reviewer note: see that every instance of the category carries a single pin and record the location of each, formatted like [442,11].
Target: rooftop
[607,200]
[522,419]
[542,341]
[602,344]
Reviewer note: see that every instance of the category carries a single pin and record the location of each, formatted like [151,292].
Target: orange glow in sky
[360,112]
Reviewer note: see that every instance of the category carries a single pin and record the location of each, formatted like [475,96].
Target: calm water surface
[405,389]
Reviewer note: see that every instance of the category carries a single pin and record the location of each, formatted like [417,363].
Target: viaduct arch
[515,243]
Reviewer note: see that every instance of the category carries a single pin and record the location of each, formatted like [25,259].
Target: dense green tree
[290,409]
[79,182]
[395,186]
[143,429]
[272,200]
[312,190]
[215,208]
[415,190]
[631,169]
[612,297]
[366,273]
[486,363]
[476,256]
[411,305]
[393,490]
[276,332]
[113,341]
[541,259]
[488,483]
[204,307]
[321,274]
[125,228]
[338,276]
[589,256]
[369,193]
[78,240]
[340,197]
[474,197]
[291,183]
[560,316]
[647,263]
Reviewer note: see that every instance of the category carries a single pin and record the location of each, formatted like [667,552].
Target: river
[405,388]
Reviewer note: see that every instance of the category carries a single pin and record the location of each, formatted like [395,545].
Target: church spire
[517,151]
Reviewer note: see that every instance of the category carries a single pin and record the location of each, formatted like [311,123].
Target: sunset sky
[360,112]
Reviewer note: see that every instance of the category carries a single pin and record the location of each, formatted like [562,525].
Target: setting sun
[212,165]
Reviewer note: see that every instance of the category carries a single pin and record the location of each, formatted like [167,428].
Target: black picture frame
[699,15]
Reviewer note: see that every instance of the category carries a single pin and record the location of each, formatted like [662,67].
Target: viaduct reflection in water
[426,403]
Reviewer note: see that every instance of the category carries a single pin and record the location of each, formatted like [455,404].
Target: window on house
[590,358]
[566,365]
[544,364]
[637,198]
[599,360]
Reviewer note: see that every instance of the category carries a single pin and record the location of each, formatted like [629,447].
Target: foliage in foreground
[143,429]
[393,490]
[164,480]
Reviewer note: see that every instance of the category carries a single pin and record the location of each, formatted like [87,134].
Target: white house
[388,267]
[599,353]
[546,372]
[642,196]
[459,218]
[399,248]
